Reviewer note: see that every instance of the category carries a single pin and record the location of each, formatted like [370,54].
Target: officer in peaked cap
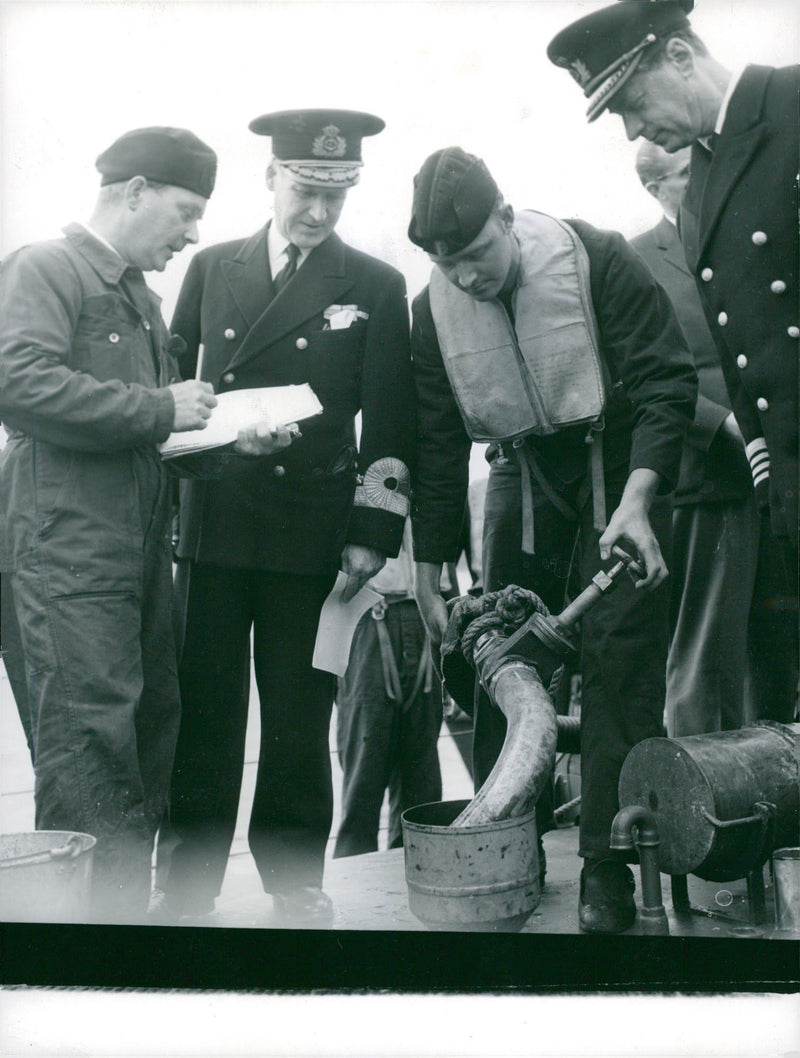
[321,148]
[493,303]
[291,304]
[603,50]
[738,227]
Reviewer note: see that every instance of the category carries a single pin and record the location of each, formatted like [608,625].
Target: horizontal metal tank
[722,801]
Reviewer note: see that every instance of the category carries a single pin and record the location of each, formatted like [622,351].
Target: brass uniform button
[778,287]
[228,377]
[759,237]
[762,404]
[707,275]
[722,319]
[741,362]
[230,333]
[278,471]
[301,343]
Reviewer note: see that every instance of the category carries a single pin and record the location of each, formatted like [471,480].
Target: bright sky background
[74,75]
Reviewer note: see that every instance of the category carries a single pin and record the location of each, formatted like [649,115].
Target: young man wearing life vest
[554,341]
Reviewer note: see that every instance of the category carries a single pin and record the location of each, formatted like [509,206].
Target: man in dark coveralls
[88,387]
[290,304]
[738,225]
[508,289]
[715,525]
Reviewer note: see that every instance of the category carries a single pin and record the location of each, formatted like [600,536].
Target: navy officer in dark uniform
[521,303]
[290,304]
[738,225]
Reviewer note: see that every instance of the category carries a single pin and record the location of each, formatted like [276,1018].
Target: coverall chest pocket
[111,342]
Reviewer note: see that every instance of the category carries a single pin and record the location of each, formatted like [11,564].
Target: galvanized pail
[45,876]
[482,877]
[786,863]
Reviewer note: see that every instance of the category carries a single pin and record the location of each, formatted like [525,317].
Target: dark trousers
[14,662]
[293,801]
[102,682]
[624,637]
[774,630]
[385,742]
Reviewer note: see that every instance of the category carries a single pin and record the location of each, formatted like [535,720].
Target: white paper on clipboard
[240,408]
[337,623]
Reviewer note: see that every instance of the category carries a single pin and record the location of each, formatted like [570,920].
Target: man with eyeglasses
[715,523]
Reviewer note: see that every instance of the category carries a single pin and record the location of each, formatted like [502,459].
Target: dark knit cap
[454,194]
[169,156]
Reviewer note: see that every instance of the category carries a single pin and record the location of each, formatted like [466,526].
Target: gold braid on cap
[620,69]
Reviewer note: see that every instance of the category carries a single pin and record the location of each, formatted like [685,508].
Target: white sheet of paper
[239,408]
[337,623]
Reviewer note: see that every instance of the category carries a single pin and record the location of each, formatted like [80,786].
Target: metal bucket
[722,802]
[482,877]
[45,876]
[786,863]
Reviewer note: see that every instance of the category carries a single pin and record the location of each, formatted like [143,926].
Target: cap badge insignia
[331,144]
[440,248]
[580,71]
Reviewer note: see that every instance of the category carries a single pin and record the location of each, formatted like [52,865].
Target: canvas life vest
[542,373]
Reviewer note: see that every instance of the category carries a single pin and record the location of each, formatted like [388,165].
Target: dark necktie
[288,270]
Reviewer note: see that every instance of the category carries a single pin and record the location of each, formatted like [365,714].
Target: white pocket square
[340,317]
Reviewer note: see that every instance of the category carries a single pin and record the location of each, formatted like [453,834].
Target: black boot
[606,899]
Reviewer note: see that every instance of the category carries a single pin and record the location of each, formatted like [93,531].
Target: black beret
[319,147]
[170,156]
[454,194]
[602,50]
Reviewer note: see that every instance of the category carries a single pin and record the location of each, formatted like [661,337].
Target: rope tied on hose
[501,611]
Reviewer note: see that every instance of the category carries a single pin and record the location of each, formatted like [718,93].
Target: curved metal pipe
[635,826]
[528,754]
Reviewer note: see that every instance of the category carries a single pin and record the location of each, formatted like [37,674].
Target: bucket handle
[764,813]
[70,850]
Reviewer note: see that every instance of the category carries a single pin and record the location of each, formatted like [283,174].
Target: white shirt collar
[723,110]
[672,218]
[276,245]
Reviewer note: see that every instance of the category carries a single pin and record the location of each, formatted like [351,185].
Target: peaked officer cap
[319,147]
[170,156]
[603,50]
[454,194]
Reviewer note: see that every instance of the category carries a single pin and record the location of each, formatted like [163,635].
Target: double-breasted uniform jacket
[294,511]
[714,468]
[738,224]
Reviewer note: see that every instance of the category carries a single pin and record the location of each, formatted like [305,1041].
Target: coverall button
[793,332]
[759,237]
[113,337]
[722,319]
[230,333]
[741,361]
[778,287]
[278,471]
[146,324]
[228,377]
[707,275]
[301,343]
[762,404]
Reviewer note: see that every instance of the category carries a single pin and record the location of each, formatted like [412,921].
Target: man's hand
[359,563]
[263,439]
[630,524]
[193,403]
[432,607]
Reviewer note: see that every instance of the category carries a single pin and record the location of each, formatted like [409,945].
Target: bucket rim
[448,828]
